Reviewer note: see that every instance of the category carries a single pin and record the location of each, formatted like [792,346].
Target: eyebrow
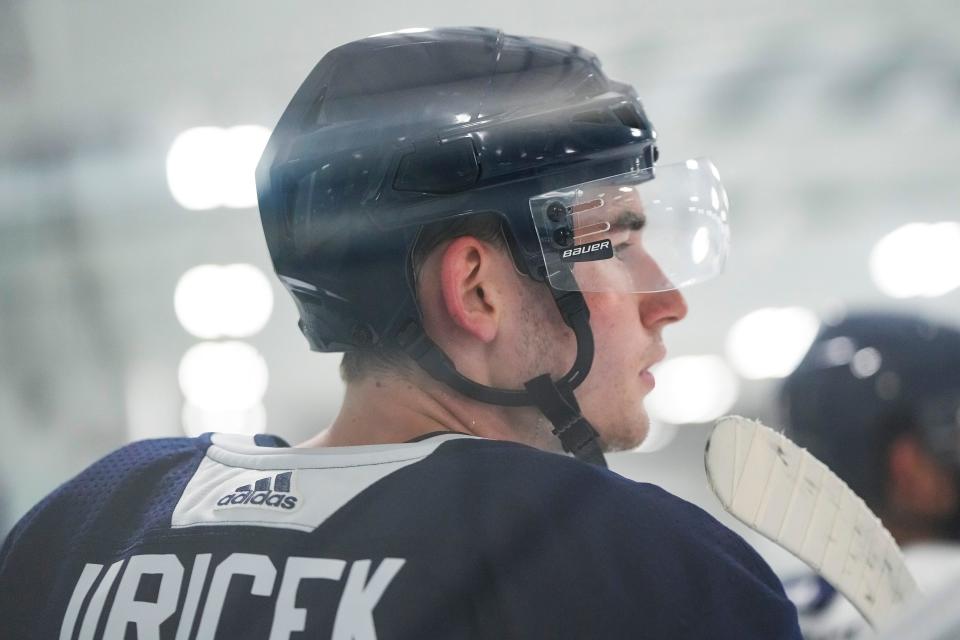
[632,220]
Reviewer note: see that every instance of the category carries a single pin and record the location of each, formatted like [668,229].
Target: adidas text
[272,491]
[265,498]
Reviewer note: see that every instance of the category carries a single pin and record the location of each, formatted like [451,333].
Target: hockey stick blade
[782,491]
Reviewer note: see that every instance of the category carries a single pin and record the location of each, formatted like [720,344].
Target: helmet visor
[649,230]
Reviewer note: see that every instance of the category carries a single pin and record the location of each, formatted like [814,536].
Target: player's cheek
[609,312]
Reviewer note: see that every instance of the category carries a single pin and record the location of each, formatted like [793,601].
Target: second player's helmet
[868,379]
[395,132]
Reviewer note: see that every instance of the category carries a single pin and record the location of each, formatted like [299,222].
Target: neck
[385,409]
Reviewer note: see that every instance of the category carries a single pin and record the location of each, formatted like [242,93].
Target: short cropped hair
[360,363]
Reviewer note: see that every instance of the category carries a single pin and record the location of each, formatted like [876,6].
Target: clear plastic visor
[644,231]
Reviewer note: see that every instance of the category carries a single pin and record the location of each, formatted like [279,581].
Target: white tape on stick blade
[775,487]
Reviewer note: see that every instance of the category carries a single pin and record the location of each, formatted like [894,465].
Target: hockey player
[877,398]
[476,220]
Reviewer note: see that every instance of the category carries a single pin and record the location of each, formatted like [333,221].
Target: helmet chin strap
[554,398]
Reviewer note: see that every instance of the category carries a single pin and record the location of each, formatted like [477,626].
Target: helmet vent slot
[628,115]
[597,116]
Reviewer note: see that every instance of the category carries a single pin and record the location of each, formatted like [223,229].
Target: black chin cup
[554,398]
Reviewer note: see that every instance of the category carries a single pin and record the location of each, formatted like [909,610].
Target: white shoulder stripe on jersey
[239,483]
[237,450]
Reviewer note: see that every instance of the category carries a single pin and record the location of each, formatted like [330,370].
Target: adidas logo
[260,494]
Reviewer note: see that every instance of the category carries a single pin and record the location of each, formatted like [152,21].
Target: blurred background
[136,295]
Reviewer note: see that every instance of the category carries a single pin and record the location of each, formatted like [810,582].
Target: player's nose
[662,308]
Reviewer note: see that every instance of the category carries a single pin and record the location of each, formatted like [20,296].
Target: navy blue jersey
[450,537]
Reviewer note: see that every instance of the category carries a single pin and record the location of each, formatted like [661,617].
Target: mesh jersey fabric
[496,540]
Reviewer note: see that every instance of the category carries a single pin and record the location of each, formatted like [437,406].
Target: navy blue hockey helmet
[868,379]
[394,132]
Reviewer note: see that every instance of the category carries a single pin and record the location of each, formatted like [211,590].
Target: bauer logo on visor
[600,250]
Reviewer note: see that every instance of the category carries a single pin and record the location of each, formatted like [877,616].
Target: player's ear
[468,287]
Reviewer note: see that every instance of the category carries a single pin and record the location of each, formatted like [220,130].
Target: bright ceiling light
[209,167]
[223,376]
[837,351]
[250,421]
[242,149]
[771,342]
[193,301]
[692,389]
[866,362]
[917,260]
[189,168]
[213,301]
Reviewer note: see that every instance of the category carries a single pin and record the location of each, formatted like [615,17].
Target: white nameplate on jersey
[238,483]
[182,580]
[775,487]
